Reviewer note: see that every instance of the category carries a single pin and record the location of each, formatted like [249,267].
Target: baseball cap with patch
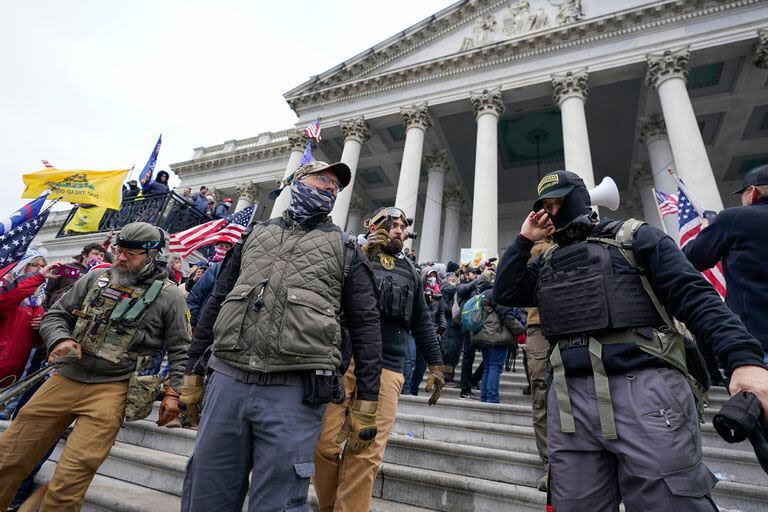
[340,169]
[555,185]
[755,177]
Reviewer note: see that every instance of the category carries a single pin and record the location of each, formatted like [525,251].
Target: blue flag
[15,242]
[146,175]
[307,156]
[23,214]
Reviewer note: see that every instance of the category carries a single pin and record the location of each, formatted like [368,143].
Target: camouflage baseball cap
[340,169]
[141,235]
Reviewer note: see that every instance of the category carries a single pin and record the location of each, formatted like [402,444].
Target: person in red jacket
[21,299]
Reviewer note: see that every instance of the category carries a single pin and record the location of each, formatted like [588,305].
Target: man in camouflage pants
[98,335]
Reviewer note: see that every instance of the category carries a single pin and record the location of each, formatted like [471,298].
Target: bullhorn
[605,194]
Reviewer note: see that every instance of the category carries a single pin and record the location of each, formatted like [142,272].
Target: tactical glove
[376,242]
[169,407]
[434,381]
[360,427]
[191,395]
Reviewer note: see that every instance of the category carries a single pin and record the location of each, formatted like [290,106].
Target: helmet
[140,235]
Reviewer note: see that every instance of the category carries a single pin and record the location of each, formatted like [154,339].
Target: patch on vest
[103,281]
[387,261]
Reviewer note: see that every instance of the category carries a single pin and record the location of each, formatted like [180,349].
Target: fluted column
[667,73]
[760,50]
[355,216]
[297,142]
[653,135]
[437,166]
[246,195]
[488,107]
[450,251]
[570,94]
[355,133]
[417,121]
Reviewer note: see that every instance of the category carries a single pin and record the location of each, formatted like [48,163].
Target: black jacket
[436,307]
[358,301]
[681,289]
[739,237]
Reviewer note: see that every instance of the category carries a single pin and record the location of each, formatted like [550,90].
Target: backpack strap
[349,248]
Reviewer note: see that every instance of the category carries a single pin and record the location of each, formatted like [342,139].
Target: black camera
[412,234]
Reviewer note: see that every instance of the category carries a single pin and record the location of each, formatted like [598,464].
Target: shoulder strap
[349,247]
[547,256]
[147,299]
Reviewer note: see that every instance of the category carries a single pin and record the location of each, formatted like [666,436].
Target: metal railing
[169,211]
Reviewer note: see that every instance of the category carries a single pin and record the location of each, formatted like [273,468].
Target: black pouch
[320,387]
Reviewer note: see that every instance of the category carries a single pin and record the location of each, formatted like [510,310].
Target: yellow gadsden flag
[99,188]
[86,220]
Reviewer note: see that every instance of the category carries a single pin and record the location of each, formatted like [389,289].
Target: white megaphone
[605,194]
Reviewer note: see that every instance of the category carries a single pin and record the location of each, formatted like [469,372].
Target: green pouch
[142,391]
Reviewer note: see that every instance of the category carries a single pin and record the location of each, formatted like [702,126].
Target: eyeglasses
[327,180]
[117,250]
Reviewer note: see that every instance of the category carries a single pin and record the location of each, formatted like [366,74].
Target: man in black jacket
[622,422]
[273,324]
[739,238]
[344,481]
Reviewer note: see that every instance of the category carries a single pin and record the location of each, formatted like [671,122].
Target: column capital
[652,128]
[760,49]
[355,129]
[487,101]
[437,162]
[416,116]
[571,84]
[249,190]
[297,140]
[453,199]
[667,64]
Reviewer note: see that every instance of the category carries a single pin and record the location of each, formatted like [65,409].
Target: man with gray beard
[102,336]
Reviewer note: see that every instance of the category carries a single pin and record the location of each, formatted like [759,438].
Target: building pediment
[474,34]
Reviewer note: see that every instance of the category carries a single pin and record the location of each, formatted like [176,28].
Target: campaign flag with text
[145,177]
[99,188]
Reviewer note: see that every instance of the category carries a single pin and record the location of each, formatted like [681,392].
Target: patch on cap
[548,181]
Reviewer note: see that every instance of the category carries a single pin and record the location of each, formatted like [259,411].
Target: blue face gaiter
[307,201]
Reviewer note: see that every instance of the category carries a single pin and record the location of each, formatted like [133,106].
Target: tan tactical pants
[96,409]
[344,482]
[537,348]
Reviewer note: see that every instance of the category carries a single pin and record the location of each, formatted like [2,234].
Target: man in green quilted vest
[101,335]
[273,327]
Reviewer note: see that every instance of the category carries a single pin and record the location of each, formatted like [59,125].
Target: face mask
[307,201]
[431,281]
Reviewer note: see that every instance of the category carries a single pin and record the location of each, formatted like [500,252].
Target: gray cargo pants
[655,464]
[249,427]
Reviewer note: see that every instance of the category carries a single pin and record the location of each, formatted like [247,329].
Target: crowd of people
[290,355]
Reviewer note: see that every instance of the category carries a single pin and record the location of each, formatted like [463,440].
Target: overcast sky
[90,84]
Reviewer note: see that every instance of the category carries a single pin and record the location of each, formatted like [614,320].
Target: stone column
[488,107]
[297,142]
[437,167]
[640,195]
[355,216]
[417,122]
[760,50]
[667,73]
[450,252]
[570,94]
[246,195]
[355,133]
[653,135]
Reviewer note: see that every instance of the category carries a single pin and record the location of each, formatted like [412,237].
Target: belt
[259,378]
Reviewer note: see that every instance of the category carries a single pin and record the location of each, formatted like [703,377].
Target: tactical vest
[397,282]
[580,295]
[283,312]
[110,315]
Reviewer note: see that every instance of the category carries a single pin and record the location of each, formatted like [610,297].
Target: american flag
[220,230]
[668,203]
[48,164]
[312,130]
[690,227]
[14,243]
[218,255]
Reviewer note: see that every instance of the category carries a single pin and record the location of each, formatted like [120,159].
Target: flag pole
[691,197]
[658,211]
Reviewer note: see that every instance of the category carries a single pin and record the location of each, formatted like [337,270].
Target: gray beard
[123,277]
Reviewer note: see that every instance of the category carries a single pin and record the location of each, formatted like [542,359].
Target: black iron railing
[169,211]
